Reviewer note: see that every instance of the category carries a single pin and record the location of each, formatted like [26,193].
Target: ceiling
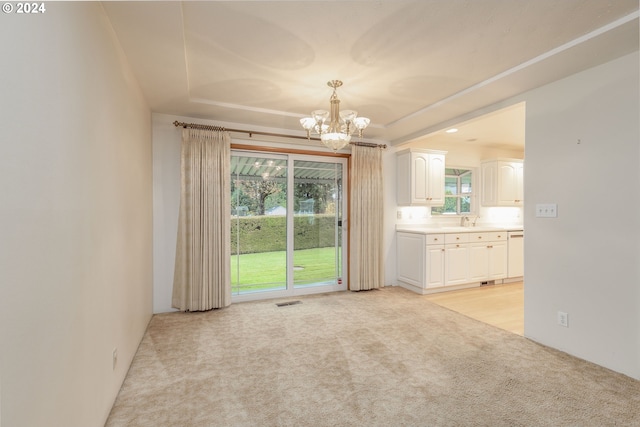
[412,67]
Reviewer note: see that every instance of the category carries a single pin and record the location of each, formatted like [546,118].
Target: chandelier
[334,127]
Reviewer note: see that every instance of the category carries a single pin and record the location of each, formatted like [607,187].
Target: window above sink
[459,193]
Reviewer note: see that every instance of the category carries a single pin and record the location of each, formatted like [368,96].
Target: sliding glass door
[258,223]
[287,235]
[317,225]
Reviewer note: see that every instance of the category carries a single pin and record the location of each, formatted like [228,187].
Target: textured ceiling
[410,66]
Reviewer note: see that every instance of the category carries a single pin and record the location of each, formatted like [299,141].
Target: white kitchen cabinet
[420,177]
[410,258]
[456,264]
[498,259]
[435,265]
[488,256]
[456,261]
[433,262]
[420,260]
[502,182]
[478,262]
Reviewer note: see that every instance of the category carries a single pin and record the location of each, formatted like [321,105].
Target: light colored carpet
[378,358]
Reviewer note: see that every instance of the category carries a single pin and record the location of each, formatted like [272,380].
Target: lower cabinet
[432,262]
[435,263]
[410,259]
[456,261]
[488,256]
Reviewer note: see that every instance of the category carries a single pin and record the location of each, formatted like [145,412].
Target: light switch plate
[547,210]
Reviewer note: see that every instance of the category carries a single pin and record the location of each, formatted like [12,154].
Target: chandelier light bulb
[308,123]
[320,116]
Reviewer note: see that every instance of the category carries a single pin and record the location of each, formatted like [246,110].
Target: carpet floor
[379,358]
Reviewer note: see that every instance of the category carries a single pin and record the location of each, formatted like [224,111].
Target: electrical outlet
[115,357]
[563,319]
[547,210]
[399,214]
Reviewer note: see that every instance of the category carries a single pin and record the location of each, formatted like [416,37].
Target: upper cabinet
[502,182]
[420,177]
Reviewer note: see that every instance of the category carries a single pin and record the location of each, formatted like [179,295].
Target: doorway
[287,225]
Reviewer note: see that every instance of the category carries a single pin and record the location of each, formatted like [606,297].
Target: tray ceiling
[410,66]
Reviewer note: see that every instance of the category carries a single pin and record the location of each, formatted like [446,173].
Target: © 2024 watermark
[24,8]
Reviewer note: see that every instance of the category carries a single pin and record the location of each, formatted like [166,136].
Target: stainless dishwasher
[515,265]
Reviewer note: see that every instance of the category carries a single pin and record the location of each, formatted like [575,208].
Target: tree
[321,193]
[258,190]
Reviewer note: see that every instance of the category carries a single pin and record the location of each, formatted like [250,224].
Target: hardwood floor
[498,305]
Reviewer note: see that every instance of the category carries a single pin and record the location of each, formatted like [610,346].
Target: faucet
[463,221]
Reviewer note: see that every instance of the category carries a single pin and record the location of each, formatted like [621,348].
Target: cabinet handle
[479,237]
[499,236]
[457,238]
[489,246]
[442,249]
[457,246]
[435,239]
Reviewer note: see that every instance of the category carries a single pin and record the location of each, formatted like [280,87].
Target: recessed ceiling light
[452,130]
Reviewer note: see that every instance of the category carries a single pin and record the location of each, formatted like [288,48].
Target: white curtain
[202,278]
[366,232]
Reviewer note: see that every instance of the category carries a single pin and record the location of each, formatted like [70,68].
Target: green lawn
[267,270]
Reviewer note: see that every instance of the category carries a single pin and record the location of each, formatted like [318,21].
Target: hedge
[268,233]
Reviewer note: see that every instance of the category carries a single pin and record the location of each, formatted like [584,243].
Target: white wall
[166,205]
[583,153]
[75,216]
[390,207]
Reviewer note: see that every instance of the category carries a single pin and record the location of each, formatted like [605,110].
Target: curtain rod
[252,132]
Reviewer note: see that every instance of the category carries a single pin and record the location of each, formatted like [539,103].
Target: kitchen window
[458,189]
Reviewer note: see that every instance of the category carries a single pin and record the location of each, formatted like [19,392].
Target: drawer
[435,239]
[498,235]
[456,238]
[488,236]
[479,237]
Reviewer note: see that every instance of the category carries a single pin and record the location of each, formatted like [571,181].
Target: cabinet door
[419,178]
[410,258]
[478,262]
[489,183]
[498,259]
[507,184]
[435,266]
[502,183]
[510,183]
[435,184]
[456,264]
[519,171]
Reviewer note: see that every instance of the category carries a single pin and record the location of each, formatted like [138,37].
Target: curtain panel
[366,222]
[202,277]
